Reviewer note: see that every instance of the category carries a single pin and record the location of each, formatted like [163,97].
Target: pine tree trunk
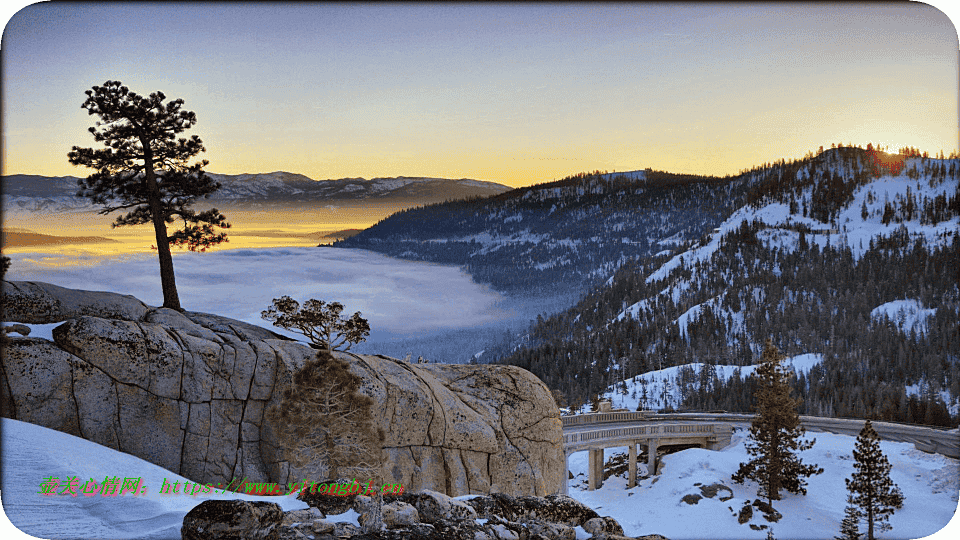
[167,278]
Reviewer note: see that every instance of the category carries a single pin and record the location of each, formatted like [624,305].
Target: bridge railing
[605,418]
[587,439]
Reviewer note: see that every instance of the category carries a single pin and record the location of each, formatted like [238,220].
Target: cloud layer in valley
[398,298]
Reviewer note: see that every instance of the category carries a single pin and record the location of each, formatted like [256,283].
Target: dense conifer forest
[807,298]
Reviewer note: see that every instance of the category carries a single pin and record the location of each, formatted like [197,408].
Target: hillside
[563,236]
[850,255]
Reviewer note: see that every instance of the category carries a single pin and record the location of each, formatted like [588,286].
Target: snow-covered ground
[906,314]
[662,388]
[929,482]
[32,454]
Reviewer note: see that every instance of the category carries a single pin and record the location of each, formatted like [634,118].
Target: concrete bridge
[596,431]
[588,432]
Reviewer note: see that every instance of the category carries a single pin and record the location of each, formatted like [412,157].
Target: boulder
[307,515]
[434,507]
[400,514]
[745,514]
[557,508]
[299,524]
[714,489]
[449,521]
[44,303]
[232,520]
[190,392]
[769,513]
[554,531]
[603,526]
[497,504]
[329,505]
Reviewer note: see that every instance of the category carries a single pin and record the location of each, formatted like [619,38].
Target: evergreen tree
[849,527]
[870,486]
[319,321]
[145,169]
[775,434]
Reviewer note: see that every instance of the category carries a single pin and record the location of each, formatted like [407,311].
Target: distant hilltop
[33,193]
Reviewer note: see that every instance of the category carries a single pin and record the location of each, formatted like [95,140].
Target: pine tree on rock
[321,322]
[870,486]
[144,169]
[775,434]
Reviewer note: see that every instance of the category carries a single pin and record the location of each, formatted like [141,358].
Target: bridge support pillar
[632,465]
[595,479]
[565,483]
[652,456]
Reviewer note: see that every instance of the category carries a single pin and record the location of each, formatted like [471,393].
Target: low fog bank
[414,308]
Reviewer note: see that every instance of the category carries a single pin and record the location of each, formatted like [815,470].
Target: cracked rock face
[189,392]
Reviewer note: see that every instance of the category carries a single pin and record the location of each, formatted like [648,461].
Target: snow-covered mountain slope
[858,225]
[281,186]
[832,255]
[906,314]
[667,387]
[558,236]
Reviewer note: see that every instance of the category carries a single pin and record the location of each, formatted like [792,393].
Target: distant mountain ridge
[559,236]
[36,193]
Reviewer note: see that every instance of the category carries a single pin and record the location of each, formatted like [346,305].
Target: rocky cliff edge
[188,391]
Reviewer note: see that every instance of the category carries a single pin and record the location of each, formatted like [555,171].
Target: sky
[511,93]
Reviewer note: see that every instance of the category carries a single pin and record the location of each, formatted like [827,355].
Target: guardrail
[927,439]
[606,418]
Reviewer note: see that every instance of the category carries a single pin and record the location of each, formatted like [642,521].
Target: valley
[265,210]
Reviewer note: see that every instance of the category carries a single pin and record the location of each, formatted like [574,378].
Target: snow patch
[906,314]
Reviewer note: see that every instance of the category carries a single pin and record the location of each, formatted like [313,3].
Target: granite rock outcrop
[189,391]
